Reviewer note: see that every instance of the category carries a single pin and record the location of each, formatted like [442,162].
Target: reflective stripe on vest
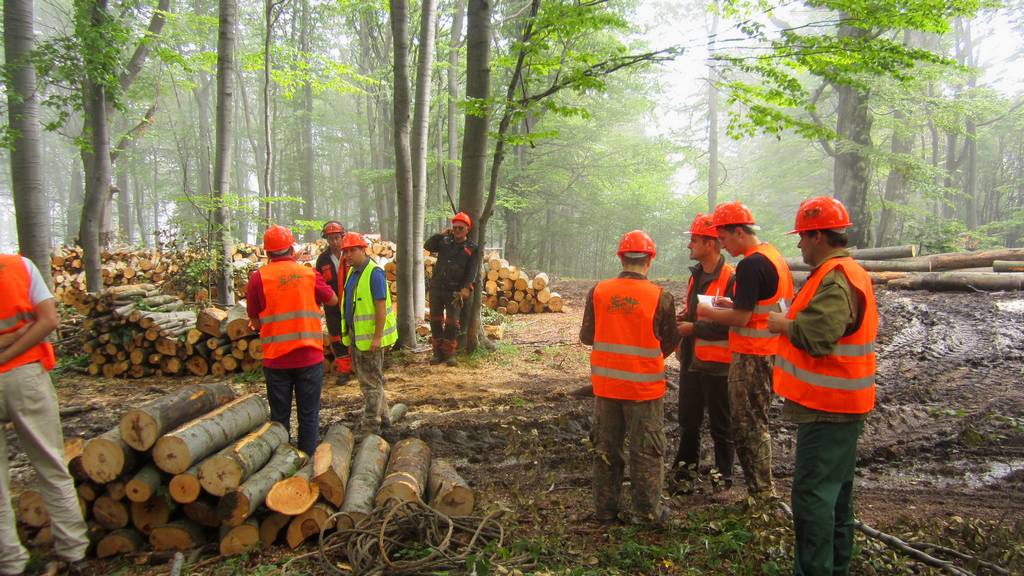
[754,338]
[291,318]
[626,362]
[16,309]
[713,350]
[843,381]
[364,313]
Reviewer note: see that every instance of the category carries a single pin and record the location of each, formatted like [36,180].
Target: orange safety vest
[291,319]
[626,362]
[754,338]
[16,310]
[843,381]
[713,350]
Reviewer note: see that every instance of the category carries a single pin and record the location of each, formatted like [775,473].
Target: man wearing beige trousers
[28,315]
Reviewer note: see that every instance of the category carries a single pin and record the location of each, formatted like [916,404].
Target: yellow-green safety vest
[364,312]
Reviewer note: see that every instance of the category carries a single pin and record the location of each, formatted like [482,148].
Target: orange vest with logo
[291,319]
[843,381]
[16,309]
[754,338]
[626,362]
[713,350]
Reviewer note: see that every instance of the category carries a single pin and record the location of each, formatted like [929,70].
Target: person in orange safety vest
[332,266]
[630,323]
[825,370]
[283,300]
[704,359]
[763,283]
[28,314]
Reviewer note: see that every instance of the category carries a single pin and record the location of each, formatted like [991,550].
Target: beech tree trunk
[307,181]
[852,167]
[235,540]
[30,205]
[141,427]
[119,542]
[230,467]
[309,523]
[176,451]
[203,511]
[367,473]
[419,145]
[407,472]
[451,168]
[449,493]
[144,484]
[223,241]
[240,503]
[293,496]
[403,175]
[331,463]
[106,457]
[185,487]
[178,535]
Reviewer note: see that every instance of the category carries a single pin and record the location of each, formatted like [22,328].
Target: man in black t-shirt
[762,281]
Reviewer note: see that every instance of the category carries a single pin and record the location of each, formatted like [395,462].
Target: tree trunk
[271,526]
[176,451]
[331,464]
[185,487]
[852,171]
[310,523]
[235,540]
[294,495]
[222,243]
[118,542]
[97,174]
[306,182]
[237,505]
[30,204]
[902,145]
[452,169]
[178,535]
[419,144]
[474,143]
[152,513]
[141,427]
[713,176]
[76,195]
[403,175]
[407,472]
[144,484]
[230,467]
[106,457]
[268,152]
[367,473]
[449,493]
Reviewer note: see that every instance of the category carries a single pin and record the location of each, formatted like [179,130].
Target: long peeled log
[449,493]
[331,463]
[176,451]
[237,505]
[961,282]
[407,473]
[106,457]
[885,252]
[141,427]
[1007,266]
[227,469]
[367,473]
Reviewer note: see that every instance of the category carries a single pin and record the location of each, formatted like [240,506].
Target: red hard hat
[637,241]
[277,238]
[730,213]
[703,225]
[332,227]
[464,218]
[353,240]
[821,213]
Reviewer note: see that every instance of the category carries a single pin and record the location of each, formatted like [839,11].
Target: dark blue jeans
[306,383]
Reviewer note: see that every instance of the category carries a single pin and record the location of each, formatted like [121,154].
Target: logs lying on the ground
[135,332]
[225,474]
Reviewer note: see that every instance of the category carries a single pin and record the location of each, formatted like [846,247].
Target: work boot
[438,355]
[449,353]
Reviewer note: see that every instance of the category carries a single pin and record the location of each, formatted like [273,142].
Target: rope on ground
[413,538]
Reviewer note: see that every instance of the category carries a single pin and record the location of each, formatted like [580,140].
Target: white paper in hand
[706,299]
[782,305]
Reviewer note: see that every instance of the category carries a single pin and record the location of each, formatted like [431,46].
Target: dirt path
[947,437]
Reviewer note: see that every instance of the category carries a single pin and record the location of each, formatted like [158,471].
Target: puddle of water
[1011,305]
[972,474]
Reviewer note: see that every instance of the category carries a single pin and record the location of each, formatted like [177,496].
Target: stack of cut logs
[901,267]
[510,290]
[135,331]
[201,464]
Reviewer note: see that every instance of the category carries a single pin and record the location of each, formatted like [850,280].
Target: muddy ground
[946,441]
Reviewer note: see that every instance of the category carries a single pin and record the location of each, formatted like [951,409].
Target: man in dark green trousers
[825,369]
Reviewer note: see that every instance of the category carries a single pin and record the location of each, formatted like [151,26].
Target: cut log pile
[135,331]
[901,267]
[510,290]
[201,465]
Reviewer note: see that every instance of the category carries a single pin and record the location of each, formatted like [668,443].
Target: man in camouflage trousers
[630,322]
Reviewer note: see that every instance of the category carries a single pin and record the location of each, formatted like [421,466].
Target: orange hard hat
[353,240]
[464,218]
[332,227]
[703,225]
[821,213]
[277,238]
[729,213]
[637,242]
